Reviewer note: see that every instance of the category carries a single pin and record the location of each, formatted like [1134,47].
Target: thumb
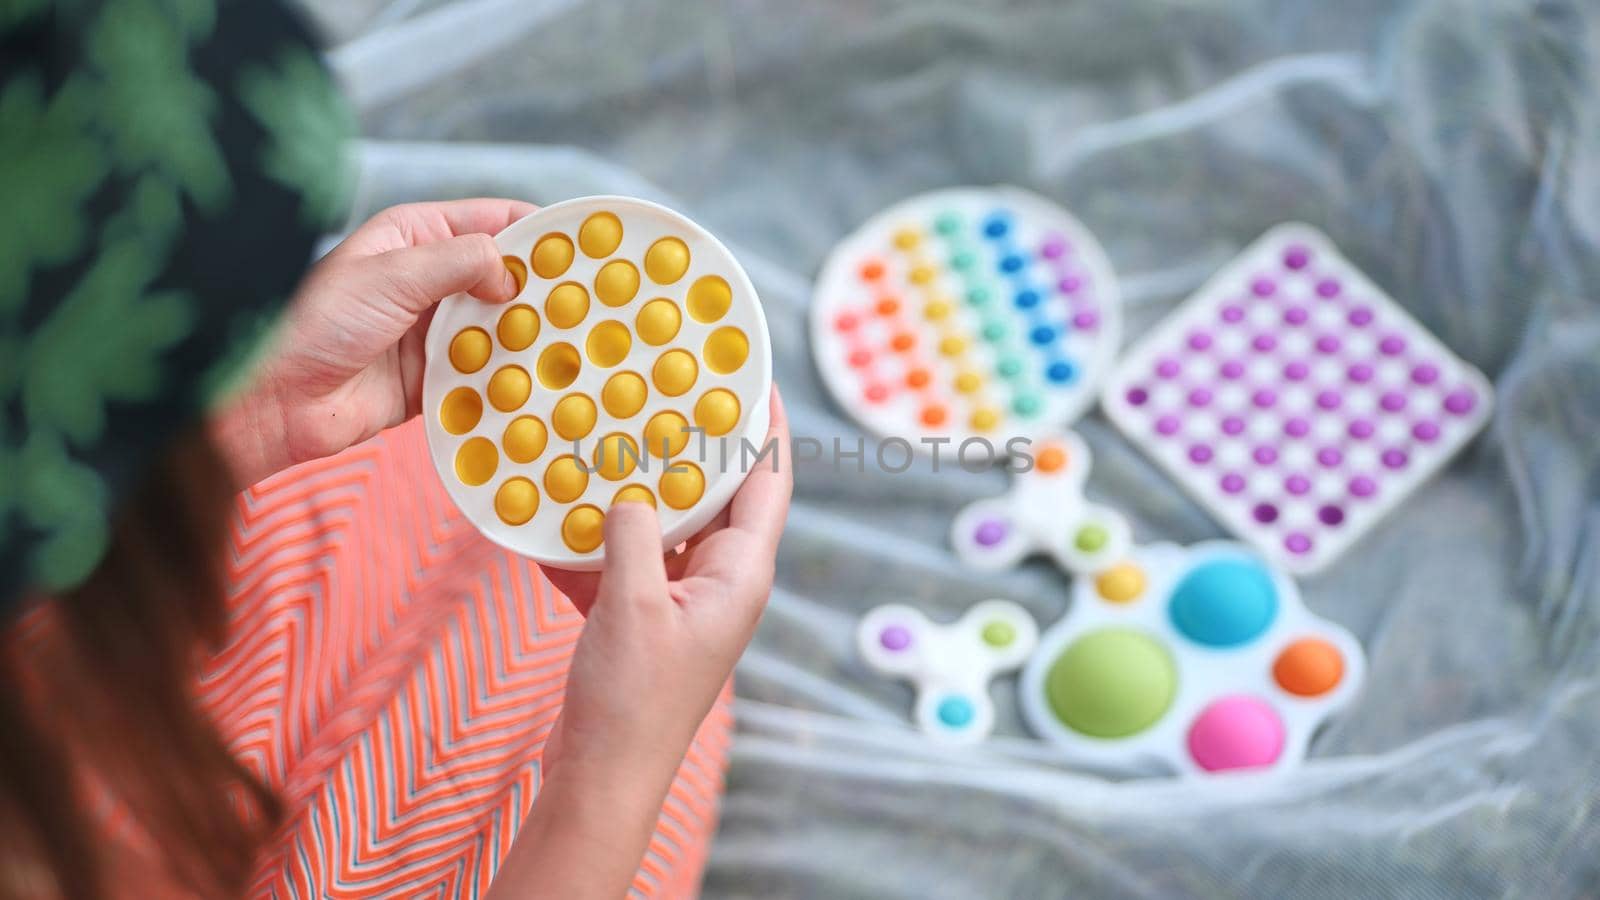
[634,568]
[421,276]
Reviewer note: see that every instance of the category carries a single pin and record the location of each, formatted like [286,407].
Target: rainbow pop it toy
[1170,659]
[1295,400]
[970,312]
[633,327]
[950,664]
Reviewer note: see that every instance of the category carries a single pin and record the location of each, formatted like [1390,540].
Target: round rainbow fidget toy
[970,312]
[634,342]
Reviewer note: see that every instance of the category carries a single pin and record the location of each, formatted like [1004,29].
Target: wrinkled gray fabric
[1451,149]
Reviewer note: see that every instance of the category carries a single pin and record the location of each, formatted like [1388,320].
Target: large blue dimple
[1224,603]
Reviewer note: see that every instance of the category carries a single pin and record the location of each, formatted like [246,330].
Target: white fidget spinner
[951,665]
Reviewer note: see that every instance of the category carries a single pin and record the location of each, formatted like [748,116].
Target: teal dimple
[947,224]
[1009,367]
[1224,603]
[956,712]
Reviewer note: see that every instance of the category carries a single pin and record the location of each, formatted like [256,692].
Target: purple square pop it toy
[1296,400]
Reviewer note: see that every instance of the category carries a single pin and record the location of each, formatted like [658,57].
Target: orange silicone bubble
[567,304]
[469,350]
[682,484]
[1052,458]
[461,410]
[725,350]
[518,328]
[584,528]
[666,260]
[525,439]
[552,254]
[615,456]
[565,480]
[616,283]
[608,343]
[558,365]
[872,270]
[634,493]
[516,501]
[518,270]
[717,412]
[675,372]
[917,378]
[668,430]
[600,234]
[903,341]
[709,298]
[658,321]
[1121,583]
[624,394]
[1309,667]
[476,461]
[509,388]
[573,417]
[888,306]
[933,415]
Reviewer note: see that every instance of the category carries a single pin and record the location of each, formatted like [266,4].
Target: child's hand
[347,362]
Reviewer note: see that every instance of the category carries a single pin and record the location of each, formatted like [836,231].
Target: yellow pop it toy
[633,332]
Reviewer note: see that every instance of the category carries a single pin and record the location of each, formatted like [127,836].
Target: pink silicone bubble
[1262,287]
[1236,733]
[895,638]
[1296,256]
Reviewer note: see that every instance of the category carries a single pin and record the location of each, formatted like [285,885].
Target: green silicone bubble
[999,634]
[1091,538]
[1111,683]
[947,224]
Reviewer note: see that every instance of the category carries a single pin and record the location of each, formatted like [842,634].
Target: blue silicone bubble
[1224,602]
[956,712]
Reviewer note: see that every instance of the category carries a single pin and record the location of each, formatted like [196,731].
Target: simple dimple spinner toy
[632,324]
[1195,659]
[1295,399]
[970,312]
[951,665]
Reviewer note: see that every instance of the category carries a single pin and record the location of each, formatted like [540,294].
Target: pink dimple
[1236,732]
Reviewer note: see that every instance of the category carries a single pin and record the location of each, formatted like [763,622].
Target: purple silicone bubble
[1070,284]
[1168,368]
[1330,515]
[1086,320]
[1296,371]
[1167,425]
[991,532]
[1329,400]
[1393,345]
[1327,344]
[1264,342]
[1297,485]
[1053,247]
[1199,340]
[1362,486]
[1199,397]
[1395,458]
[1262,287]
[1233,482]
[1297,543]
[1328,287]
[1329,457]
[1296,427]
[1295,315]
[895,638]
[1425,431]
[1361,373]
[1233,313]
[1200,454]
[1264,398]
[1296,256]
[1138,396]
[1232,369]
[1361,429]
[1461,401]
[1426,373]
[1232,425]
[1265,513]
[1361,316]
[1392,401]
[1265,455]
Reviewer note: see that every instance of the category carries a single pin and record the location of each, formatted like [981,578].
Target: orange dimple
[888,306]
[1053,458]
[903,342]
[917,378]
[872,270]
[1308,667]
[933,415]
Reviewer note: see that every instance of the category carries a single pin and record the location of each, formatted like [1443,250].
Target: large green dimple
[1111,683]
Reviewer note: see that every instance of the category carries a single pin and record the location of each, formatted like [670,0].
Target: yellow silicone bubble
[518,270]
[524,439]
[461,410]
[518,327]
[675,372]
[658,321]
[726,350]
[615,455]
[717,412]
[509,388]
[567,304]
[937,310]
[709,298]
[608,344]
[565,480]
[681,485]
[907,238]
[584,528]
[624,394]
[476,461]
[558,365]
[600,234]
[616,282]
[552,255]
[985,419]
[573,417]
[634,493]
[952,346]
[922,274]
[666,260]
[666,429]
[469,350]
[516,501]
[968,382]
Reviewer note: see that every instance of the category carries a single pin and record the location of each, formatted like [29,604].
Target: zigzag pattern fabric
[394,676]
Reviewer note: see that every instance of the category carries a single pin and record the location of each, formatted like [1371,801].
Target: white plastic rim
[723,460]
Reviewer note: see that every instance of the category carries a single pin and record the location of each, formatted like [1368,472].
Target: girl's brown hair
[97,683]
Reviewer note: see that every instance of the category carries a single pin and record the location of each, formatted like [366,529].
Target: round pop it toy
[970,312]
[951,665]
[635,344]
